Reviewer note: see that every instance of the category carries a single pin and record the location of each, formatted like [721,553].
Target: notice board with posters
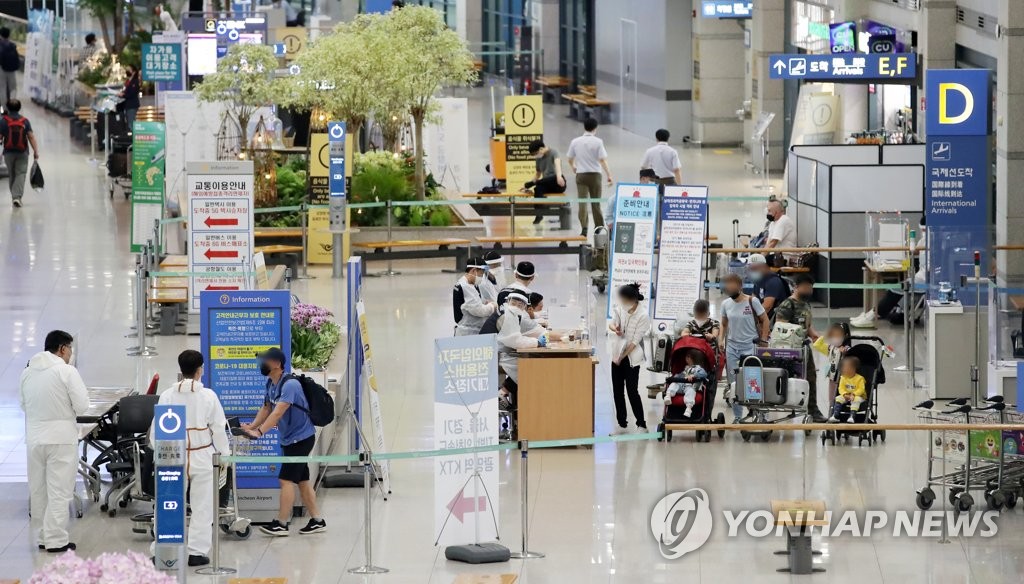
[524,123]
[684,213]
[234,328]
[149,152]
[632,245]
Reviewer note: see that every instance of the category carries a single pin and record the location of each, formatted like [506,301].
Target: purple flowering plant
[126,568]
[314,336]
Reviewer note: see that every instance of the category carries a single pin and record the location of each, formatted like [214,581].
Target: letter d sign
[944,105]
[959,102]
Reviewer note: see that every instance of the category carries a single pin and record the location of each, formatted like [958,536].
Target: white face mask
[498,273]
[836,341]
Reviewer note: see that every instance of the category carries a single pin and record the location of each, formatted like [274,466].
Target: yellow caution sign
[524,123]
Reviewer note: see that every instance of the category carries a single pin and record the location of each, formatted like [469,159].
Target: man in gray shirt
[744,325]
[549,177]
[664,160]
[587,157]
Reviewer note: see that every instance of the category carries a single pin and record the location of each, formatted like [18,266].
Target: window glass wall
[504,21]
[576,40]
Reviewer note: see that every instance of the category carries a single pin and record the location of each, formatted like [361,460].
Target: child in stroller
[680,409]
[687,383]
[852,391]
[865,356]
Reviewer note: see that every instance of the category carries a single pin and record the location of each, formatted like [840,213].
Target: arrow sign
[211,253]
[779,66]
[460,505]
[210,222]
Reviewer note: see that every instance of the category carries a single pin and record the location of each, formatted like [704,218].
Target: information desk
[556,392]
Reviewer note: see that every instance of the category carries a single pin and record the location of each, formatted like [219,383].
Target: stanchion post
[908,309]
[512,219]
[141,274]
[215,568]
[390,212]
[975,367]
[368,567]
[524,478]
[304,222]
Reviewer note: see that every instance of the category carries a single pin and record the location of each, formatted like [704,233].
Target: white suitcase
[796,392]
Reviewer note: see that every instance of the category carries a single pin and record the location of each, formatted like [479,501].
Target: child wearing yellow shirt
[852,389]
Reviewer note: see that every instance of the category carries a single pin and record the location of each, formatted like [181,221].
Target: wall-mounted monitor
[727,8]
[843,37]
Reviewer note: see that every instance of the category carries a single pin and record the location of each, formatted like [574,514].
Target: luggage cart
[771,385]
[970,460]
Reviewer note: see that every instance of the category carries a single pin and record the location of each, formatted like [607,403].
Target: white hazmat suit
[204,417]
[53,395]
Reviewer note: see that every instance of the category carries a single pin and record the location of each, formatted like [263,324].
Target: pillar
[767,38]
[1009,204]
[938,27]
[718,80]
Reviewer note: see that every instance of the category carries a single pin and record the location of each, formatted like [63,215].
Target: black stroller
[869,351]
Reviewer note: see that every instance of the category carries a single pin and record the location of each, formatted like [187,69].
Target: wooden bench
[799,517]
[500,205]
[277,233]
[171,301]
[582,106]
[552,86]
[277,254]
[588,90]
[540,245]
[448,247]
[174,261]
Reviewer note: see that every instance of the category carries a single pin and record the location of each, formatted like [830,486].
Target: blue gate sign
[169,460]
[844,67]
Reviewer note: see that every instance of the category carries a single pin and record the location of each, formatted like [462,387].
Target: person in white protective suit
[470,308]
[511,338]
[52,396]
[204,417]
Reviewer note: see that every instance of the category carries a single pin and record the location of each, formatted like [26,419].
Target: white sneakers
[864,320]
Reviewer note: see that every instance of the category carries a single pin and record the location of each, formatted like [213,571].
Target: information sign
[524,123]
[684,213]
[148,155]
[220,225]
[161,62]
[632,246]
[465,408]
[874,67]
[169,459]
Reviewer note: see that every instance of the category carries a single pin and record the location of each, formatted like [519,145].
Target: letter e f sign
[944,117]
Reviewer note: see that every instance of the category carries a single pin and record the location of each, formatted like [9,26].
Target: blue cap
[274,354]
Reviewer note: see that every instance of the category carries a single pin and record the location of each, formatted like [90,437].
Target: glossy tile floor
[65,265]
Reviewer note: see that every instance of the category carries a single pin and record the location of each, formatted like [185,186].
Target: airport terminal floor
[64,265]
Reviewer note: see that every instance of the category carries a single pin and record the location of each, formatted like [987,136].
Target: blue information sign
[234,328]
[169,459]
[336,135]
[162,62]
[727,8]
[958,121]
[878,68]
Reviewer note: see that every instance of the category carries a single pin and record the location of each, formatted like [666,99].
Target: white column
[767,37]
[719,74]
[1009,203]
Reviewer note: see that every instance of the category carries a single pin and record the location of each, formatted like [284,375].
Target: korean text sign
[632,246]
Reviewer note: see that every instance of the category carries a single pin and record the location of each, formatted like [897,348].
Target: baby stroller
[869,351]
[704,402]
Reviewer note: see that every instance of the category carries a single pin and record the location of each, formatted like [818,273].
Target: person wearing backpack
[469,308]
[769,287]
[10,63]
[16,132]
[286,406]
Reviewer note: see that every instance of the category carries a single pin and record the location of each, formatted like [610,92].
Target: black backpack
[321,404]
[458,299]
[9,58]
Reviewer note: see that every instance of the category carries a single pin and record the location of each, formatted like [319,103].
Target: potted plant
[314,336]
[123,568]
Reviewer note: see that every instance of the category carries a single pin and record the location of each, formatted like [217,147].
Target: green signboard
[161,62]
[148,154]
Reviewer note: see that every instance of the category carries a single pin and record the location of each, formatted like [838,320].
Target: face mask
[264,369]
[770,217]
[835,341]
[804,296]
[734,294]
[755,276]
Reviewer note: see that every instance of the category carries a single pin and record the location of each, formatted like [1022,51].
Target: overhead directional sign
[878,68]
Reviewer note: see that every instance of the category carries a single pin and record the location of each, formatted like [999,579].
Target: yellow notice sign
[238,351]
[524,123]
[319,241]
[293,38]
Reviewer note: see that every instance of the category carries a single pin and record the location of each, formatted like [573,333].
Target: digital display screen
[727,8]
[843,37]
[202,54]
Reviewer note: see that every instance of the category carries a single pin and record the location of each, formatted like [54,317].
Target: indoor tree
[244,82]
[337,75]
[425,55]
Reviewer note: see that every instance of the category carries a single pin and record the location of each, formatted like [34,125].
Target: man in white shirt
[663,160]
[207,434]
[166,20]
[587,158]
[52,396]
[782,230]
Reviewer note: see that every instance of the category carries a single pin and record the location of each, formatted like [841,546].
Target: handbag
[35,177]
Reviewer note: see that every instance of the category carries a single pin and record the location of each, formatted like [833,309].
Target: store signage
[632,259]
[220,226]
[727,8]
[524,123]
[169,459]
[683,226]
[148,155]
[466,415]
[958,121]
[162,62]
[842,37]
[234,328]
[851,67]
